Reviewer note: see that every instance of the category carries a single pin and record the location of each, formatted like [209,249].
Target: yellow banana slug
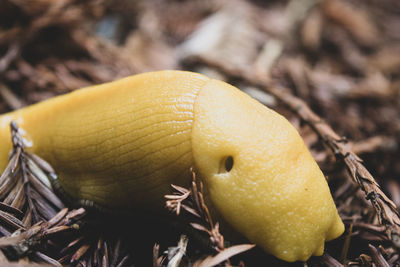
[121,145]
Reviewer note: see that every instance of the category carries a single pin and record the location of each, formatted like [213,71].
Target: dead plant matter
[192,201]
[340,58]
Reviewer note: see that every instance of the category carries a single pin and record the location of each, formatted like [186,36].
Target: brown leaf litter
[332,67]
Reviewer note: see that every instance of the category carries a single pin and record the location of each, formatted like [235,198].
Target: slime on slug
[258,174]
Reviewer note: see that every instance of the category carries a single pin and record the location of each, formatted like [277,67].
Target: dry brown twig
[384,207]
[27,194]
[54,228]
[197,207]
[174,255]
[24,181]
[192,201]
[29,241]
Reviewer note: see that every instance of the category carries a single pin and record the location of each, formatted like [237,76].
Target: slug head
[259,175]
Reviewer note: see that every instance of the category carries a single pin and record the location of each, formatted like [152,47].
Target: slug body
[121,145]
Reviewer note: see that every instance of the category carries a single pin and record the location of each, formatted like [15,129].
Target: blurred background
[341,57]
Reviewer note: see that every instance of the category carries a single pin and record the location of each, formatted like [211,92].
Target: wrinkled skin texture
[121,145]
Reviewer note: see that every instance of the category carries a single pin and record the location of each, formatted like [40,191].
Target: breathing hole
[226,164]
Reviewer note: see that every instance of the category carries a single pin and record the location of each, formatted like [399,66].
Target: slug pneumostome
[121,144]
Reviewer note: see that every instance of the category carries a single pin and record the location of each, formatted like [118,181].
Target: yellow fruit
[121,145]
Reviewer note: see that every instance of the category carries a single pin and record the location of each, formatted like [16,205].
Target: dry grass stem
[196,206]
